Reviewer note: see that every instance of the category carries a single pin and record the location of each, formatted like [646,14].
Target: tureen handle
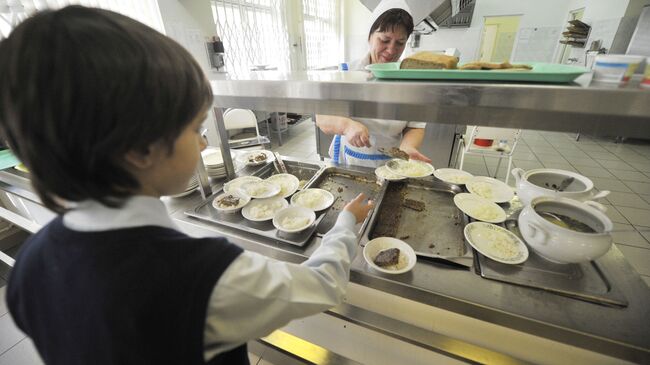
[598,206]
[601,194]
[538,233]
[518,173]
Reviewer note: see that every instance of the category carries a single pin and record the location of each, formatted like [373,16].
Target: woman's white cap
[386,5]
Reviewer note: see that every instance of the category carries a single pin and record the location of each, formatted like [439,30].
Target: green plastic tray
[541,72]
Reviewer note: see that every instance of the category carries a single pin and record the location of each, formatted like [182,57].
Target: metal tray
[302,170]
[345,185]
[586,281]
[434,232]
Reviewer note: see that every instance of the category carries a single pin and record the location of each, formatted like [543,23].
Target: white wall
[356,24]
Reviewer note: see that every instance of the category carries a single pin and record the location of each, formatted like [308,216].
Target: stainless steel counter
[617,332]
[575,107]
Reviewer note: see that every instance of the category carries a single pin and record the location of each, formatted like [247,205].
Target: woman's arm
[412,140]
[355,132]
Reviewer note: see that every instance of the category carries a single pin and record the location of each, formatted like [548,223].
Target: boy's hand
[359,208]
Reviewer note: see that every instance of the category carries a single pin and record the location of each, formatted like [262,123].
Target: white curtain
[13,12]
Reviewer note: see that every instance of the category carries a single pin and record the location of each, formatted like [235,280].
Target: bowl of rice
[313,198]
[294,219]
[260,210]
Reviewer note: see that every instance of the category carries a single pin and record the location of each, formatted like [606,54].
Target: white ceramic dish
[453,176]
[383,173]
[490,189]
[410,168]
[212,157]
[313,198]
[259,189]
[260,210]
[246,157]
[539,182]
[496,242]
[479,208]
[234,185]
[288,183]
[282,217]
[406,261]
[560,244]
[243,200]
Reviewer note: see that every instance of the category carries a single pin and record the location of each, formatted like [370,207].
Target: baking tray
[205,210]
[434,232]
[541,72]
[586,281]
[345,185]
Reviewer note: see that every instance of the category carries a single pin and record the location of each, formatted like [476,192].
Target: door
[498,38]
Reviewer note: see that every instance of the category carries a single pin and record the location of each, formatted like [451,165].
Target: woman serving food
[359,141]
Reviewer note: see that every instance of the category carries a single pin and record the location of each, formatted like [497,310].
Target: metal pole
[223,142]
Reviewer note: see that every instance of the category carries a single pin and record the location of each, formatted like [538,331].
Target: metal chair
[506,139]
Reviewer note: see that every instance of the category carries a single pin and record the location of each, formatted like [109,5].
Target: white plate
[212,157]
[313,198]
[453,176]
[243,200]
[496,242]
[490,189]
[410,168]
[259,189]
[233,185]
[405,263]
[269,157]
[273,205]
[382,172]
[288,183]
[479,208]
[294,213]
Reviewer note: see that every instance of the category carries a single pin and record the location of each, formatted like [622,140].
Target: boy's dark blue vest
[128,296]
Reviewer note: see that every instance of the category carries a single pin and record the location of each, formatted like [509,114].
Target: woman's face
[387,46]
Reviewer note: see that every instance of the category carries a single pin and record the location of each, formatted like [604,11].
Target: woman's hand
[414,154]
[359,208]
[357,134]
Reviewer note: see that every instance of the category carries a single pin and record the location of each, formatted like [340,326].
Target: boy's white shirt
[256,294]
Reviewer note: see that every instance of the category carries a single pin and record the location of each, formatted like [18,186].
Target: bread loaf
[429,60]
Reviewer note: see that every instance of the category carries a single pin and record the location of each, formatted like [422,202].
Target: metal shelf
[575,107]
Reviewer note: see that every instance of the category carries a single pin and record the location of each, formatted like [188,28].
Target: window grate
[321,25]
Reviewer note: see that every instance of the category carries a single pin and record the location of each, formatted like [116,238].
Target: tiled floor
[621,168]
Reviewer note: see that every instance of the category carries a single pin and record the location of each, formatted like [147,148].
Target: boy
[105,113]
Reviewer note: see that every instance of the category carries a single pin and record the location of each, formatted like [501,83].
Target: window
[254,33]
[321,25]
[13,12]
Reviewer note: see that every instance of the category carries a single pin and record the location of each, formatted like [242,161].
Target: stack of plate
[213,162]
[191,186]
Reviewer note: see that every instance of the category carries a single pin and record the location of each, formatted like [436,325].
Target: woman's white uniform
[383,134]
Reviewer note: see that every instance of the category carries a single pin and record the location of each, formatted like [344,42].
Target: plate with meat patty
[389,255]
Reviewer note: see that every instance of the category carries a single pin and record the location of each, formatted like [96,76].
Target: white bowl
[233,185]
[294,212]
[564,245]
[259,189]
[539,182]
[383,173]
[490,189]
[288,183]
[453,176]
[373,247]
[326,199]
[410,168]
[243,200]
[479,208]
[274,202]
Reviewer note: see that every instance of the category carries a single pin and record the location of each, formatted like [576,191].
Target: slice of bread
[429,60]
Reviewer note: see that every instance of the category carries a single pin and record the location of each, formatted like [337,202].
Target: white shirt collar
[138,211]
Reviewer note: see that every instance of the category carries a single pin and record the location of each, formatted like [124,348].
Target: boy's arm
[257,295]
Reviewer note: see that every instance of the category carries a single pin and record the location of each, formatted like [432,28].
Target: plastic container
[483,142]
[615,69]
